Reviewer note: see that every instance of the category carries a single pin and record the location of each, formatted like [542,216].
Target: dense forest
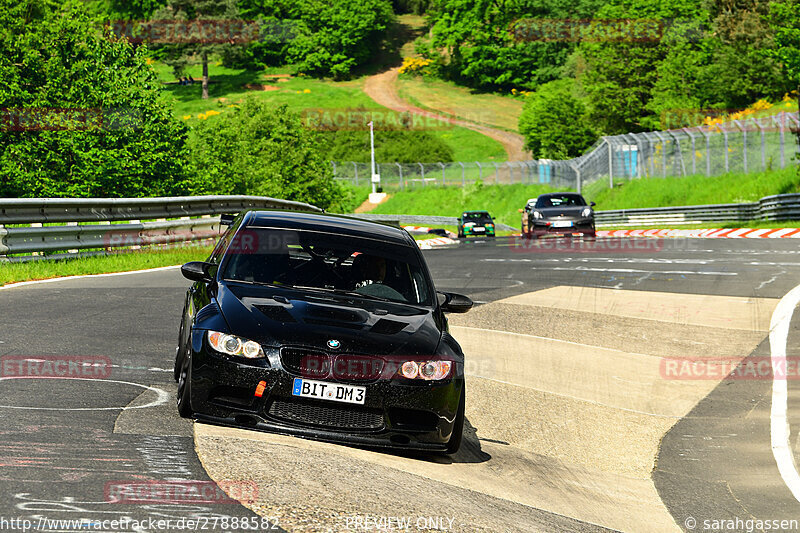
[84,113]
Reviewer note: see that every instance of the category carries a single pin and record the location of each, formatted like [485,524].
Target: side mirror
[196,271]
[592,204]
[454,303]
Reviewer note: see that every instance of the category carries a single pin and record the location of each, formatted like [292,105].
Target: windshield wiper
[342,292]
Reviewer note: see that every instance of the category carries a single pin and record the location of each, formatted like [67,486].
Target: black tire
[180,353]
[458,426]
[184,389]
[491,236]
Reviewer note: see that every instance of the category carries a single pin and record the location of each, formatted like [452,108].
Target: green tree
[319,37]
[554,122]
[785,20]
[180,53]
[258,149]
[504,44]
[84,115]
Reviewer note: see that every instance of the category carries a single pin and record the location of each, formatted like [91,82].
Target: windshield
[565,200]
[310,260]
[478,218]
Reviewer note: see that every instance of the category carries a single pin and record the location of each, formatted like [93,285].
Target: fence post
[744,143]
[680,152]
[725,141]
[422,171]
[763,148]
[463,178]
[496,174]
[355,171]
[511,173]
[577,170]
[334,169]
[780,118]
[708,150]
[610,164]
[663,154]
[480,171]
[688,132]
[442,165]
[400,173]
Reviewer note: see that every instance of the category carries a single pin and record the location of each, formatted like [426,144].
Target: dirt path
[381,88]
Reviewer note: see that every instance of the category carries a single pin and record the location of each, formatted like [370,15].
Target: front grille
[306,363]
[320,365]
[307,413]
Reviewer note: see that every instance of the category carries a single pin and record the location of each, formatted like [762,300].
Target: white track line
[779,423]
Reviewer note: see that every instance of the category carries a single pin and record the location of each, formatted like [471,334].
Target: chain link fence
[744,146]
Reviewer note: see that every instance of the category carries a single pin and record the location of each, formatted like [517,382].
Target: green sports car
[475,224]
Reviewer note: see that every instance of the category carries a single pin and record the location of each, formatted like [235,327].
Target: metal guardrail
[97,215]
[775,208]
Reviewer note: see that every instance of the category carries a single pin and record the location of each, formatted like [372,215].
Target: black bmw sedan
[564,213]
[325,327]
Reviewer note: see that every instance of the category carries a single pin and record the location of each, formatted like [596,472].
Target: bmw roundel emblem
[333,344]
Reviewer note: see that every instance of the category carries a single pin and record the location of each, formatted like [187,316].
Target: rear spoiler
[226,219]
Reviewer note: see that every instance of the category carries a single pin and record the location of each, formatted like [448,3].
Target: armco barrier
[89,221]
[779,207]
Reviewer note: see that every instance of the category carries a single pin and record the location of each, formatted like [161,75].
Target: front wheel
[458,426]
[184,392]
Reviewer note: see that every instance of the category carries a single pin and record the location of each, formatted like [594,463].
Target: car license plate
[309,388]
[562,224]
[478,230]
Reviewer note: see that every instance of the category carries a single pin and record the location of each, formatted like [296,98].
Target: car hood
[277,316]
[553,212]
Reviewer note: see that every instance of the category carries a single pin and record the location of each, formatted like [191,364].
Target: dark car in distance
[324,327]
[563,214]
[476,224]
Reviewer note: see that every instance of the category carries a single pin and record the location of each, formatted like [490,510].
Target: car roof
[343,225]
[475,212]
[551,194]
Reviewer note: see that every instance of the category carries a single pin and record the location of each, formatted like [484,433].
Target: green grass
[118,262]
[492,109]
[299,94]
[502,201]
[693,190]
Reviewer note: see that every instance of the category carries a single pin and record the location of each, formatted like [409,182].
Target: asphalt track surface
[66,442]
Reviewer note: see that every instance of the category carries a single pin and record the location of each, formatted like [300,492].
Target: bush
[101,127]
[261,150]
[401,146]
[320,38]
[554,122]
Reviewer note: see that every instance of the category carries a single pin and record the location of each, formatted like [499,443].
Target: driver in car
[370,270]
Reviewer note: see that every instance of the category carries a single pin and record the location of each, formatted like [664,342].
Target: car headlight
[537,214]
[490,225]
[427,370]
[586,212]
[233,345]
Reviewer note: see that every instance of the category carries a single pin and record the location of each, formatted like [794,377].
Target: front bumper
[542,227]
[396,414]
[471,232]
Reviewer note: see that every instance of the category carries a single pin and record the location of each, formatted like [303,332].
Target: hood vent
[385,326]
[276,312]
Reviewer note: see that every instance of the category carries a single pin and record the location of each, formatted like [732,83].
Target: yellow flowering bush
[414,65]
